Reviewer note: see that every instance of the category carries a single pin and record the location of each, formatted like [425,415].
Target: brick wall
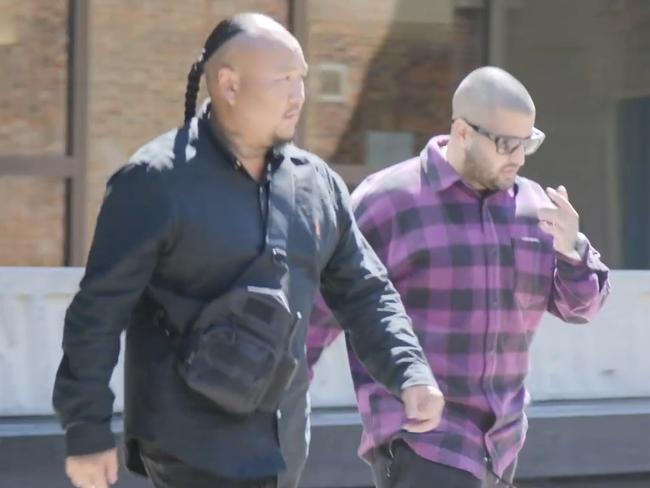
[31,221]
[33,59]
[400,77]
[33,67]
[140,53]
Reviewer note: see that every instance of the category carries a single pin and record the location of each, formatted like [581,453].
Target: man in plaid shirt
[478,254]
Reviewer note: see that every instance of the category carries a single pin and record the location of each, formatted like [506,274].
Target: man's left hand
[562,222]
[423,405]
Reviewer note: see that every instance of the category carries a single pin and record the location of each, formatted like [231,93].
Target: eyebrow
[287,68]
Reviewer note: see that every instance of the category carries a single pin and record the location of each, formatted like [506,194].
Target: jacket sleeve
[355,286]
[132,228]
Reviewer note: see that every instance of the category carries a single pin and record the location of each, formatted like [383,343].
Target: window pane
[32,221]
[590,81]
[382,75]
[138,74]
[33,85]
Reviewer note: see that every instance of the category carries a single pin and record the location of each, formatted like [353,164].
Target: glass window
[33,85]
[587,66]
[32,221]
[382,73]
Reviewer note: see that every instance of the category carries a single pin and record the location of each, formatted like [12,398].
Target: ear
[228,84]
[461,131]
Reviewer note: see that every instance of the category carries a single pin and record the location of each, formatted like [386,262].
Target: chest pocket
[534,261]
[312,228]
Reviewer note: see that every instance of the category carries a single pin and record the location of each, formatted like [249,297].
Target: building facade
[85,83]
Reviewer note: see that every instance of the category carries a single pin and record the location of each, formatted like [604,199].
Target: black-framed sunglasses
[509,144]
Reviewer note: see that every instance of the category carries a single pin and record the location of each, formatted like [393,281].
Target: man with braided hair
[179,224]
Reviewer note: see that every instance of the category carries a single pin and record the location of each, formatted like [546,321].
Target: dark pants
[165,471]
[405,469]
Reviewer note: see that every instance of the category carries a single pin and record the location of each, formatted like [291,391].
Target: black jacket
[182,215]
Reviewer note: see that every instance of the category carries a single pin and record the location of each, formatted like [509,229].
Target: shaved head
[487,90]
[259,35]
[493,118]
[254,71]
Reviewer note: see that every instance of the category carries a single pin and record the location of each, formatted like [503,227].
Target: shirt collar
[441,174]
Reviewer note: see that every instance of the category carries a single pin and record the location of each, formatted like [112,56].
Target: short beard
[476,174]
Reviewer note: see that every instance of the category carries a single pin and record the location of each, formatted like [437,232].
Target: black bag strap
[270,268]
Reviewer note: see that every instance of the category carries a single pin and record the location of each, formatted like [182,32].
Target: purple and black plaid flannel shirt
[476,274]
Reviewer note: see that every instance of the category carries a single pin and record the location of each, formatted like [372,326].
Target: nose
[297,94]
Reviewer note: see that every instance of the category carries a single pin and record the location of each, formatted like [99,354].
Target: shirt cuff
[417,375]
[576,269]
[88,438]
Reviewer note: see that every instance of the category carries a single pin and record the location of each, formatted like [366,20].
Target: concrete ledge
[566,439]
[604,360]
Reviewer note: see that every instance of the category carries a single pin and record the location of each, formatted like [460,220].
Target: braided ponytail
[192,90]
[224,31]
